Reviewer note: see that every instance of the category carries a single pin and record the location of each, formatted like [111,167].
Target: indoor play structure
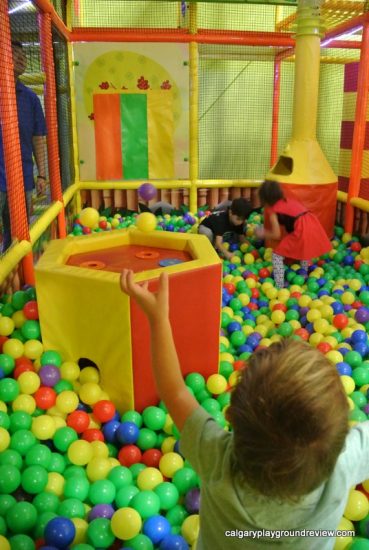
[202,101]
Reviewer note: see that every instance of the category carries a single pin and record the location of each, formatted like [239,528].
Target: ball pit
[75,473]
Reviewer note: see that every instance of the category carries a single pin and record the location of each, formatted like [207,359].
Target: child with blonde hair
[287,464]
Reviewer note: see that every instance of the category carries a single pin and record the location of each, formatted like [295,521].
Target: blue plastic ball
[127,433]
[59,532]
[156,528]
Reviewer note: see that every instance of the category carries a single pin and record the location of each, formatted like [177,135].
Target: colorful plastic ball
[173,542]
[125,495]
[49,375]
[147,439]
[146,503]
[21,517]
[154,418]
[151,457]
[101,511]
[63,438]
[89,217]
[59,532]
[146,221]
[98,468]
[45,397]
[149,478]
[104,410]
[357,506]
[14,348]
[156,528]
[33,349]
[127,433]
[80,452]
[10,478]
[147,191]
[43,427]
[9,390]
[190,528]
[100,534]
[4,439]
[30,310]
[34,479]
[126,523]
[90,393]
[21,542]
[195,381]
[168,495]
[93,434]
[102,492]
[192,501]
[29,382]
[216,384]
[78,420]
[22,441]
[76,488]
[67,401]
[170,463]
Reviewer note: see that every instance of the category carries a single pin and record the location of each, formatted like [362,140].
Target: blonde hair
[289,415]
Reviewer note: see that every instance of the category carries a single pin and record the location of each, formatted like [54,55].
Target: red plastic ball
[230,288]
[30,310]
[340,320]
[103,224]
[355,246]
[303,333]
[324,347]
[104,410]
[45,397]
[129,454]
[264,273]
[356,304]
[151,458]
[239,365]
[255,293]
[3,339]
[280,307]
[252,305]
[93,434]
[255,253]
[21,369]
[296,294]
[358,264]
[86,230]
[78,420]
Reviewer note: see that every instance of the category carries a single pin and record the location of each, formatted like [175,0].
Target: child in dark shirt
[227,225]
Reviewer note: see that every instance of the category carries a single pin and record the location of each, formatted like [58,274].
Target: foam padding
[83,312]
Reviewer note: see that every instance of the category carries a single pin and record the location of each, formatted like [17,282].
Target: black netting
[63,104]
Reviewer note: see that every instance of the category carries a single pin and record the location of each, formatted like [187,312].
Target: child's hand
[155,306]
[259,232]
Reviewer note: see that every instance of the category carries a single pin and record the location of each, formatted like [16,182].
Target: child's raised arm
[167,373]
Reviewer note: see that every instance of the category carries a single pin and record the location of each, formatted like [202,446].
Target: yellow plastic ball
[168,426]
[100,449]
[365,484]
[89,374]
[304,301]
[81,527]
[278,316]
[224,356]
[235,260]
[261,329]
[233,378]
[149,478]
[244,299]
[348,298]
[19,318]
[321,326]
[4,439]
[25,403]
[315,339]
[190,528]
[67,401]
[29,382]
[334,356]
[89,217]
[33,349]
[13,347]
[346,237]
[343,542]
[247,329]
[55,483]
[216,384]
[248,259]
[170,463]
[6,326]
[70,371]
[357,506]
[126,523]
[168,445]
[3,407]
[90,393]
[4,543]
[58,421]
[146,221]
[98,468]
[224,340]
[80,452]
[348,384]
[43,427]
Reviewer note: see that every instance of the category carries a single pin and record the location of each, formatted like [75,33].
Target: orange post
[51,116]
[12,151]
[359,128]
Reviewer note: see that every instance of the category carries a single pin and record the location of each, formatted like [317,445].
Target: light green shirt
[227,505]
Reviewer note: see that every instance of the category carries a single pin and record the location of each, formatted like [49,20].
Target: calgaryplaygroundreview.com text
[278,534]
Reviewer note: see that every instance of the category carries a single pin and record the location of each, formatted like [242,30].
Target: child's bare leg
[278,269]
